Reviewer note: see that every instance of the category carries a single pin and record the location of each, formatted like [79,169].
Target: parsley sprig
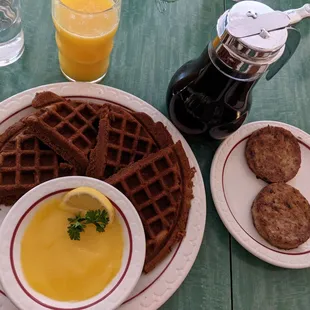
[99,218]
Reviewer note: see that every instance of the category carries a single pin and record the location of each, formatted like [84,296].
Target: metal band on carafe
[252,36]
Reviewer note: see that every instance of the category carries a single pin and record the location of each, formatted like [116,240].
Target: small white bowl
[12,231]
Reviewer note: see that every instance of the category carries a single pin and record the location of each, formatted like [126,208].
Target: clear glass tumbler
[11,33]
[85,33]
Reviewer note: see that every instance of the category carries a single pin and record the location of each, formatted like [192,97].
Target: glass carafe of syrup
[211,95]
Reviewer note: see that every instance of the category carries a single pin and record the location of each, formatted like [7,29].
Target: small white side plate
[234,187]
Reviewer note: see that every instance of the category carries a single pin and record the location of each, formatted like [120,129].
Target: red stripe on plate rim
[15,113]
[109,101]
[1,292]
[172,258]
[74,308]
[223,188]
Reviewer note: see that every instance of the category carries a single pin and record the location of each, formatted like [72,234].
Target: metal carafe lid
[251,36]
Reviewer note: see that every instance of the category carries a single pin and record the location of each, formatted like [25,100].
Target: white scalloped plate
[155,288]
[234,187]
[17,221]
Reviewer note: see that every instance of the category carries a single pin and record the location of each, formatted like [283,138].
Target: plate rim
[32,200]
[155,290]
[231,224]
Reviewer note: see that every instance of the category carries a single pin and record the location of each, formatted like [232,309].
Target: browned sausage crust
[281,215]
[273,154]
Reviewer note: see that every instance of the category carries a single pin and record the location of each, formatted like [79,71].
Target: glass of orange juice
[85,31]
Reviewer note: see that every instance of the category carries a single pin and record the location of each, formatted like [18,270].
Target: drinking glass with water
[11,33]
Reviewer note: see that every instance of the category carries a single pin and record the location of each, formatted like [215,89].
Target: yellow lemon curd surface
[65,269]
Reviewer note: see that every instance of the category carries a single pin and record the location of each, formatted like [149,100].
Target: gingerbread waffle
[69,128]
[160,188]
[124,137]
[25,162]
[45,98]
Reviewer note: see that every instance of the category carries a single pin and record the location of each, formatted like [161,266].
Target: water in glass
[11,33]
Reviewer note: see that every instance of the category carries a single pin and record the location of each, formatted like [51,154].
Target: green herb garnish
[99,218]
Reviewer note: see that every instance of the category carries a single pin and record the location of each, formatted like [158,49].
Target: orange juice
[85,31]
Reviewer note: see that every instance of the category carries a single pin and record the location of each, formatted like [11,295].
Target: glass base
[73,80]
[11,51]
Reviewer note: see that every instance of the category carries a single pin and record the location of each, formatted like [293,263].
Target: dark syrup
[203,100]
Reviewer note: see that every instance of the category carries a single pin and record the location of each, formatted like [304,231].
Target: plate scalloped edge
[164,287]
[260,251]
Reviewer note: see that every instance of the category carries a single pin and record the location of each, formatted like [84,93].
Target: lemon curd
[67,270]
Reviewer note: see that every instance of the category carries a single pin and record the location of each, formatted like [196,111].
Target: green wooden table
[150,46]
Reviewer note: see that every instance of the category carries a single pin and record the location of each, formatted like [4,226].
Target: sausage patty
[281,215]
[273,154]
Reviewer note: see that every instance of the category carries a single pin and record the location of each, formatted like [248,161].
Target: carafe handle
[291,45]
[296,15]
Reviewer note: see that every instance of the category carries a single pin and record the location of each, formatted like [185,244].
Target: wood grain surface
[257,285]
[149,47]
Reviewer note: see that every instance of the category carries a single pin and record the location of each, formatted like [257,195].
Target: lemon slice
[83,199]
